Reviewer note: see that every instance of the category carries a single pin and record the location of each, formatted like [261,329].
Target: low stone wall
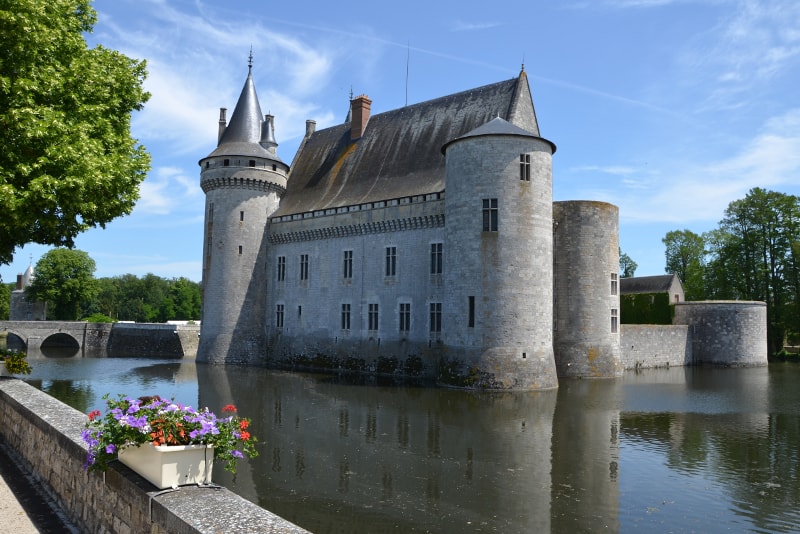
[151,339]
[43,436]
[647,346]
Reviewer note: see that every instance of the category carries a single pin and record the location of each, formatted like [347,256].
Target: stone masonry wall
[43,436]
[647,346]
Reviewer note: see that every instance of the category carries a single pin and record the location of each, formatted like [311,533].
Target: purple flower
[237,454]
[111,448]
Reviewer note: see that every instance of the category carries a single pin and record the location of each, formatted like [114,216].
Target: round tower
[497,316]
[586,272]
[244,180]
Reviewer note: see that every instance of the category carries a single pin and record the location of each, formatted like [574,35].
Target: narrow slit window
[241,248]
[614,321]
[279,316]
[281,268]
[471,318]
[241,216]
[304,267]
[614,283]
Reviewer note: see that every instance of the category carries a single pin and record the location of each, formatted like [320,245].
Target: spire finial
[523,62]
[250,60]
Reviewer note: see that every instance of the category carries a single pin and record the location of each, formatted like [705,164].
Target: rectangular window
[614,321]
[489,214]
[525,167]
[241,216]
[345,316]
[436,317]
[373,317]
[436,258]
[348,264]
[391,261]
[251,163]
[281,268]
[240,250]
[405,317]
[614,283]
[471,319]
[279,316]
[304,267]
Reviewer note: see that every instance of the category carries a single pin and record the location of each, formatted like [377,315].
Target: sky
[668,109]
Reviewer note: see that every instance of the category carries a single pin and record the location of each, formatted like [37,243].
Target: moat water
[672,450]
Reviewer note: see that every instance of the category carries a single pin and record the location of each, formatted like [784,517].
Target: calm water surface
[678,450]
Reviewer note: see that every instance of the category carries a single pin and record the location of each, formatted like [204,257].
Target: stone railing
[43,435]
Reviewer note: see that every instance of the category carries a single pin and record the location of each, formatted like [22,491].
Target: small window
[226,162]
[614,321]
[274,167]
[279,316]
[373,317]
[251,163]
[240,250]
[241,216]
[304,267]
[348,264]
[471,319]
[391,261]
[614,283]
[436,317]
[405,317]
[525,167]
[281,268]
[489,214]
[207,164]
[345,316]
[436,258]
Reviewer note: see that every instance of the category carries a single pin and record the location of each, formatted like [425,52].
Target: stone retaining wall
[646,346]
[43,435]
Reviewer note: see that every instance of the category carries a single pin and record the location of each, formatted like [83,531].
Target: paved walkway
[23,509]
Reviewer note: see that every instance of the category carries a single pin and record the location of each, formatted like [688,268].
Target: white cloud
[165,189]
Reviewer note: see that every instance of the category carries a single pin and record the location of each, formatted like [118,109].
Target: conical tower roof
[244,131]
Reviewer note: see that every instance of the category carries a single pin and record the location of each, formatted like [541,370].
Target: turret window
[490,215]
[614,320]
[241,216]
[226,162]
[525,167]
[251,163]
[614,277]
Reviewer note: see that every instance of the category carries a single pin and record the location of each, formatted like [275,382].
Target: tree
[5,300]
[627,267]
[754,257]
[685,252]
[68,162]
[65,280]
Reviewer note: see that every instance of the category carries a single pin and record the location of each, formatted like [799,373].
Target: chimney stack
[359,107]
[311,127]
[223,123]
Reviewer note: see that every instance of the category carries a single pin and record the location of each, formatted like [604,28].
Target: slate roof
[399,154]
[647,284]
[244,131]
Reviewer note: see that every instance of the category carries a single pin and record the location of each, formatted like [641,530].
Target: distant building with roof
[23,309]
[650,299]
[421,241]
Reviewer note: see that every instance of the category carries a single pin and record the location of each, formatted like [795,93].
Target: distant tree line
[65,279]
[754,254]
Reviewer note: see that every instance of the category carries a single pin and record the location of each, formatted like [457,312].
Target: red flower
[229,408]
[245,436]
[93,414]
[243,424]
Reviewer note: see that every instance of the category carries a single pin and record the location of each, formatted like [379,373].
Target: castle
[421,241]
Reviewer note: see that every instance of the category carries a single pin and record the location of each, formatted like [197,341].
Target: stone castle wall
[586,304]
[649,346]
[43,436]
[732,333]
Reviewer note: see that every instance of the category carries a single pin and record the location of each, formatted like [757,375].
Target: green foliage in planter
[646,308]
[15,362]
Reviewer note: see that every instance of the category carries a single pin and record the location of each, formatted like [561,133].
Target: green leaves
[67,159]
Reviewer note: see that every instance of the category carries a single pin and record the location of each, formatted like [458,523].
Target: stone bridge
[115,339]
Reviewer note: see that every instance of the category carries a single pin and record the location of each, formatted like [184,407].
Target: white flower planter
[170,466]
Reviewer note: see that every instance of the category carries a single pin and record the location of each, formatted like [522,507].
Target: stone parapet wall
[43,436]
[648,346]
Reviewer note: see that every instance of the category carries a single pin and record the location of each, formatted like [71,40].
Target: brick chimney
[359,108]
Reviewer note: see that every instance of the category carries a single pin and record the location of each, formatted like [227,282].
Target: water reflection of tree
[78,394]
